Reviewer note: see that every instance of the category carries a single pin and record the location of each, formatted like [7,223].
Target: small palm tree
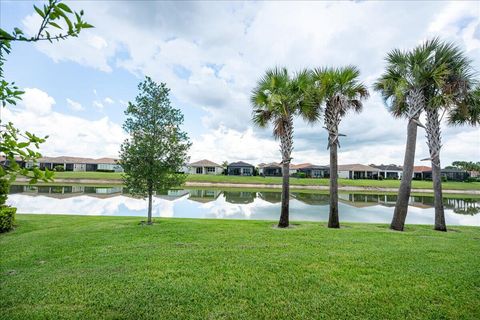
[341,91]
[277,99]
[453,92]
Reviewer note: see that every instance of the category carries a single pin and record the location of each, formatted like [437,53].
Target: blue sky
[210,54]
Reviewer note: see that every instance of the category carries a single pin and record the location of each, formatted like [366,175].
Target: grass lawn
[449,185]
[112,267]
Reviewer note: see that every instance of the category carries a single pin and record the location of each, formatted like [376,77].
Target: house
[422,173]
[390,171]
[357,171]
[73,164]
[455,174]
[204,167]
[270,169]
[312,170]
[240,168]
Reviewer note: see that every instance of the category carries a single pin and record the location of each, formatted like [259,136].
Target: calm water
[264,205]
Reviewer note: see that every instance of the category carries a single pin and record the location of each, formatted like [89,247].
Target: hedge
[7,218]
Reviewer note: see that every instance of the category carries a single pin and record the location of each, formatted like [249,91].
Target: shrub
[444,179]
[4,190]
[105,170]
[301,175]
[380,177]
[59,168]
[7,218]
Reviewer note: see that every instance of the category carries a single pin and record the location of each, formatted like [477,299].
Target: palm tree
[401,87]
[341,91]
[277,99]
[453,93]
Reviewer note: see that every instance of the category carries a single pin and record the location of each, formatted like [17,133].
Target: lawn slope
[112,267]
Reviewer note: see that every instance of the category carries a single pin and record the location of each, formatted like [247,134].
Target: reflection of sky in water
[233,205]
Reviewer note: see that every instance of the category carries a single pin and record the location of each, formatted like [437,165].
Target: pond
[232,204]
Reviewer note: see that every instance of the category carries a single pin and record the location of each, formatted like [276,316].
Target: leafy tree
[277,98]
[341,91]
[157,148]
[467,165]
[14,144]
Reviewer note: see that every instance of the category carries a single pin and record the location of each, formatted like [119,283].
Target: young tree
[15,144]
[157,147]
[278,98]
[342,91]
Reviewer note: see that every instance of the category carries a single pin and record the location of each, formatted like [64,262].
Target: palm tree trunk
[434,146]
[286,147]
[333,220]
[401,207]
[284,215]
[150,195]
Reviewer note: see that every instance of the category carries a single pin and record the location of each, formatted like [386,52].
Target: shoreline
[253,185]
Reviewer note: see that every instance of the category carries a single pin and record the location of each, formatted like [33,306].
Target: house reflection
[203,196]
[272,197]
[239,197]
[314,199]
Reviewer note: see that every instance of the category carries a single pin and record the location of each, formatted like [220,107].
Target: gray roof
[387,167]
[356,167]
[204,163]
[239,164]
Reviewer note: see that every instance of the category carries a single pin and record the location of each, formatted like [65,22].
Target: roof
[453,170]
[356,167]
[388,167]
[421,169]
[310,166]
[204,163]
[269,165]
[240,164]
[64,159]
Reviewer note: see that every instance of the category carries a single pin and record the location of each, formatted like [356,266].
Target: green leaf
[64,7]
[55,25]
[87,26]
[40,12]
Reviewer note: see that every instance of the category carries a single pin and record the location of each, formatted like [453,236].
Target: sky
[211,54]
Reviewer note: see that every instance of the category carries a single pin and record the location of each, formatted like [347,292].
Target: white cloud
[68,135]
[74,105]
[108,100]
[98,104]
[37,101]
[212,55]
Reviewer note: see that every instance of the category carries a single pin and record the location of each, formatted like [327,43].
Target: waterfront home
[422,173]
[357,171]
[272,169]
[71,164]
[204,167]
[455,174]
[390,171]
[240,168]
[312,170]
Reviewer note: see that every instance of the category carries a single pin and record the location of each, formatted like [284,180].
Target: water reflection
[211,203]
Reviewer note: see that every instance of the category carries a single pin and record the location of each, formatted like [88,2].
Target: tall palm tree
[401,86]
[341,91]
[277,99]
[452,92]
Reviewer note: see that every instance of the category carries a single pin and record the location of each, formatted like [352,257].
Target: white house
[390,171]
[204,167]
[357,171]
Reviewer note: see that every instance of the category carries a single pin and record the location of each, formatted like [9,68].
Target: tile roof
[387,167]
[204,163]
[356,167]
[421,169]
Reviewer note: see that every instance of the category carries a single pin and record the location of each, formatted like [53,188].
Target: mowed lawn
[111,267]
[449,185]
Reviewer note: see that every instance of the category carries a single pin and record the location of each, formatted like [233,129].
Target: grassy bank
[111,267]
[449,185]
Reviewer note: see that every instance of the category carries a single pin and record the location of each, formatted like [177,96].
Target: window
[210,169]
[246,171]
[199,170]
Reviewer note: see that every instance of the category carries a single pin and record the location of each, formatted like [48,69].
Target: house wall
[79,167]
[343,174]
[193,170]
[110,166]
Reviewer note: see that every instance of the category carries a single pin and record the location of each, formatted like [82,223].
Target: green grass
[449,185]
[88,175]
[111,267]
